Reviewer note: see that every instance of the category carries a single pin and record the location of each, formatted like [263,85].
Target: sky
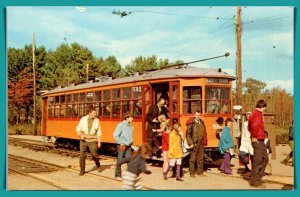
[174,33]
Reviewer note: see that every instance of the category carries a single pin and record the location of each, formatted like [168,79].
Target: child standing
[246,149]
[136,165]
[226,145]
[175,152]
[157,137]
[165,148]
[268,170]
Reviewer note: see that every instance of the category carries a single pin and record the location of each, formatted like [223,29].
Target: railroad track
[51,148]
[31,167]
[39,146]
[28,168]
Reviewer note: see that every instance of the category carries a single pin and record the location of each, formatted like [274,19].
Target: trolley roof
[181,72]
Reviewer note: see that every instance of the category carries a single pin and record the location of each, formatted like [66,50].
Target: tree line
[74,63]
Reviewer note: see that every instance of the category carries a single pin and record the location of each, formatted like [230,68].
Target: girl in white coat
[246,149]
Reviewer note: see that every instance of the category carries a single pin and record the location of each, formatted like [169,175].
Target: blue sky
[176,33]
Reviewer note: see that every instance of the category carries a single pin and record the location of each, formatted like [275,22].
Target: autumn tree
[20,93]
[282,104]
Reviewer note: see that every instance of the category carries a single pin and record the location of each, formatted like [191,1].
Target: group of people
[169,143]
[89,132]
[254,144]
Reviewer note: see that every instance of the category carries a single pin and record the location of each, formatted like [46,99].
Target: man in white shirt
[89,132]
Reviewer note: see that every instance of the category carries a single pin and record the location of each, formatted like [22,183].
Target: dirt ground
[282,175]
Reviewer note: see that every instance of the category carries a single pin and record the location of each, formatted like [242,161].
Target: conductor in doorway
[152,118]
[89,132]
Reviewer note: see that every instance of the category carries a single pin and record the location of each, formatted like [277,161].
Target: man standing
[89,132]
[260,157]
[152,118]
[291,143]
[124,138]
[196,139]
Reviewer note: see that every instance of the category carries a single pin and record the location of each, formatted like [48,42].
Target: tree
[253,91]
[65,65]
[20,92]
[282,104]
[19,78]
[110,67]
[141,64]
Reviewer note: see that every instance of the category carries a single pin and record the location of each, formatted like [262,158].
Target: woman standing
[226,146]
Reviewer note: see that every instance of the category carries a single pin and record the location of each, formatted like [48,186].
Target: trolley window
[106,95]
[62,106]
[126,93]
[192,99]
[90,96]
[116,94]
[74,110]
[98,96]
[217,100]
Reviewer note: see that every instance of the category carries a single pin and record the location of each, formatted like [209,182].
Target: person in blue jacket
[124,137]
[226,146]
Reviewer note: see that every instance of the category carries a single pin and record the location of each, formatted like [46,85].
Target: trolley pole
[238,35]
[34,87]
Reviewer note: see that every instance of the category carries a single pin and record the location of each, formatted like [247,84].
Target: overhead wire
[266,19]
[172,14]
[222,25]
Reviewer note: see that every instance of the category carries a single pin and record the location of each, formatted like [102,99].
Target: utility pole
[87,72]
[34,87]
[238,35]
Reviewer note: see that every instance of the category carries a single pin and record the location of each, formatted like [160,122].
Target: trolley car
[186,89]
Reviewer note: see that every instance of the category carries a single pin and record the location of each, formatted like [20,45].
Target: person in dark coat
[268,170]
[196,139]
[152,119]
[291,143]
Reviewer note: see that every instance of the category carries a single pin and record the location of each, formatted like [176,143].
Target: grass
[282,136]
[26,129]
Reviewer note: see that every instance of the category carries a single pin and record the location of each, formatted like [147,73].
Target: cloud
[287,85]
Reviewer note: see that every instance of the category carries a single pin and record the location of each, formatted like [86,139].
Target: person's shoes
[158,153]
[118,178]
[179,179]
[285,162]
[165,177]
[81,174]
[99,169]
[261,186]
[229,173]
[173,175]
[201,174]
[193,176]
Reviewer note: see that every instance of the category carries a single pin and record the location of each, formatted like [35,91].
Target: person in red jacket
[260,157]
